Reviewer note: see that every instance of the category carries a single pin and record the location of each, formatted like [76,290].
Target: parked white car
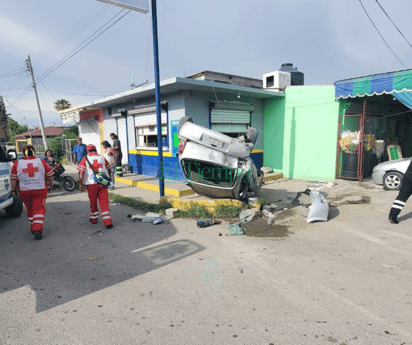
[8,202]
[390,174]
[216,165]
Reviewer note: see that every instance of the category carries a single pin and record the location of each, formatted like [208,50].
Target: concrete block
[266,170]
[171,212]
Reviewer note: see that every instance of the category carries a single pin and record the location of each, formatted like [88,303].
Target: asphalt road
[347,281]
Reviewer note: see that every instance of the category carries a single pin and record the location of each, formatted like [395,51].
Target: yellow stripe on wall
[149,153]
[169,154]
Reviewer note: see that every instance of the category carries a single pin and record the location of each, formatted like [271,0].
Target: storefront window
[146,136]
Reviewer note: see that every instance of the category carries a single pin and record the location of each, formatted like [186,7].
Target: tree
[15,129]
[57,146]
[62,104]
[4,131]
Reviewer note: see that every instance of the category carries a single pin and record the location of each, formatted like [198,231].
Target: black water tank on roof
[297,78]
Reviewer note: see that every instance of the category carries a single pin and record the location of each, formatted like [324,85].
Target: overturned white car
[216,165]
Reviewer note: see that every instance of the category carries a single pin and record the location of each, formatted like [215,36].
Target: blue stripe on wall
[148,165]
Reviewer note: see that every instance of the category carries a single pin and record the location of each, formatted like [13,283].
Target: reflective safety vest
[99,165]
[31,174]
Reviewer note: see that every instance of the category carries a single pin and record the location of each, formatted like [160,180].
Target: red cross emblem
[96,165]
[30,170]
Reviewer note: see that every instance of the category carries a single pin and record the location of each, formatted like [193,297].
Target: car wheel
[251,135]
[15,209]
[182,121]
[392,180]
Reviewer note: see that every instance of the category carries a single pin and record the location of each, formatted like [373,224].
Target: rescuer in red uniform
[32,172]
[89,165]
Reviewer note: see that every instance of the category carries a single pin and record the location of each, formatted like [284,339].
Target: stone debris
[172,212]
[266,170]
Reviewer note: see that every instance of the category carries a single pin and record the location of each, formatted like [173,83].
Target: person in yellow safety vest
[32,173]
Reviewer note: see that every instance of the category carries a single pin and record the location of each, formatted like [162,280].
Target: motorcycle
[60,180]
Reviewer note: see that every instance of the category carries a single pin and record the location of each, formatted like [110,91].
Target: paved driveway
[347,281]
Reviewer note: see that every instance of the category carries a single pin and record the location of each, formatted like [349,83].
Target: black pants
[403,196]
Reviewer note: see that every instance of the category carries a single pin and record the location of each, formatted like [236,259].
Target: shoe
[93,221]
[393,219]
[109,226]
[38,235]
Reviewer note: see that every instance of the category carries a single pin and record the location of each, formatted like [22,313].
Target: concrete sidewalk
[177,193]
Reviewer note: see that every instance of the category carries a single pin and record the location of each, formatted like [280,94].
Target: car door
[5,168]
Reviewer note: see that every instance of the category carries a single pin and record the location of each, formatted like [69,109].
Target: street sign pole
[142,6]
[157,95]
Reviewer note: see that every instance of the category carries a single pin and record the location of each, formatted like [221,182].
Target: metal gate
[351,146]
[68,149]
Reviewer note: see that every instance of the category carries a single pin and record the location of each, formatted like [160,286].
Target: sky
[327,40]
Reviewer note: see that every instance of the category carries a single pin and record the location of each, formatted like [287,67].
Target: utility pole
[30,68]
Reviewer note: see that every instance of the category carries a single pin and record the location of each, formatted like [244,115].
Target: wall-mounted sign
[70,117]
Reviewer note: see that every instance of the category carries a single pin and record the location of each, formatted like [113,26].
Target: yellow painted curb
[209,204]
[153,187]
[273,176]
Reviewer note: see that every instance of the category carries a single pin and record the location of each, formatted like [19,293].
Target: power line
[28,127]
[17,88]
[70,35]
[50,111]
[392,22]
[107,93]
[12,75]
[52,69]
[381,34]
[21,95]
[68,32]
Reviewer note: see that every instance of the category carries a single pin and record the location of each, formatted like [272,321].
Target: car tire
[392,180]
[182,121]
[251,135]
[15,209]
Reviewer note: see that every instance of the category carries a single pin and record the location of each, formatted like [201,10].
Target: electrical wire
[52,69]
[50,111]
[17,88]
[69,31]
[71,35]
[21,95]
[20,115]
[392,22]
[4,76]
[105,93]
[381,34]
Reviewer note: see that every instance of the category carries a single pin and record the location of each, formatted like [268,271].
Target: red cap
[91,147]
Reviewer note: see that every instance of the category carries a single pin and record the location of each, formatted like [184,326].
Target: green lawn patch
[144,206]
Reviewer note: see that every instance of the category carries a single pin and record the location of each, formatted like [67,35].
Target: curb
[273,176]
[154,188]
[209,204]
[179,193]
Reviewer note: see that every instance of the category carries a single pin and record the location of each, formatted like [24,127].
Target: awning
[399,84]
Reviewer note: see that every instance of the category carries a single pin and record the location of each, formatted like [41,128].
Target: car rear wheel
[251,135]
[392,180]
[182,121]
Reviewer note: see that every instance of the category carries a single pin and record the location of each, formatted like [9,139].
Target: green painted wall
[300,133]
